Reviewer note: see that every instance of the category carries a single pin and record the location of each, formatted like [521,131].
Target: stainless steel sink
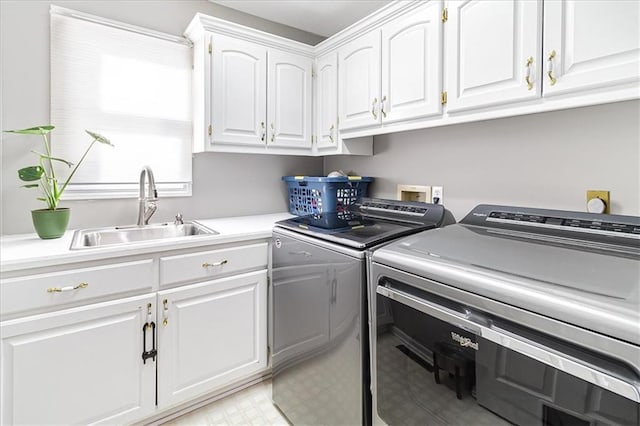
[99,237]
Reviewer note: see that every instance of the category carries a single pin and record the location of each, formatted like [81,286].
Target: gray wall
[547,160]
[224,184]
[540,160]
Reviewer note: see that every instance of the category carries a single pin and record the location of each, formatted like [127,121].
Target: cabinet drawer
[213,263]
[55,289]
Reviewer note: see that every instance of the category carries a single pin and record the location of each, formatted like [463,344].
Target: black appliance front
[319,338]
[432,367]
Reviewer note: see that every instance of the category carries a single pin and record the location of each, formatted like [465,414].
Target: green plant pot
[50,224]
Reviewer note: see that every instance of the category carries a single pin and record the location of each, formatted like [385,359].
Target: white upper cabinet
[393,73]
[239,95]
[328,138]
[493,51]
[359,77]
[252,91]
[327,100]
[289,97]
[590,45]
[412,65]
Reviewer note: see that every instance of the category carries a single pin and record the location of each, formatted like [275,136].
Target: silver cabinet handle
[518,344]
[331,133]
[210,265]
[373,108]
[273,132]
[68,288]
[264,132]
[384,99]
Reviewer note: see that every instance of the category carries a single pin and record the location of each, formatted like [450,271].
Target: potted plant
[50,222]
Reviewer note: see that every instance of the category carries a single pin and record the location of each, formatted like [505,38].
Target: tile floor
[251,406]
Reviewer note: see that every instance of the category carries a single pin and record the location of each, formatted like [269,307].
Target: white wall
[224,184]
[542,160]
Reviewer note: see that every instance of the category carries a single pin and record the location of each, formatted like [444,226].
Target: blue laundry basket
[316,195]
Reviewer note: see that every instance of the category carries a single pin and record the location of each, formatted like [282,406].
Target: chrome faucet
[147,202]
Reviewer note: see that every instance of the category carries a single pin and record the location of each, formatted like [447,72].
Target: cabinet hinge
[445,15]
[443,98]
[210,129]
[210,48]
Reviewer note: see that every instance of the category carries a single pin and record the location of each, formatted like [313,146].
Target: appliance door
[437,361]
[317,330]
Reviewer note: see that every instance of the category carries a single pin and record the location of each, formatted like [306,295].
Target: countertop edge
[56,252]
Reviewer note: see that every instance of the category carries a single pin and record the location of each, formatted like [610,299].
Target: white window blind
[129,84]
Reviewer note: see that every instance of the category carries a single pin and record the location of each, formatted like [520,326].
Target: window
[131,85]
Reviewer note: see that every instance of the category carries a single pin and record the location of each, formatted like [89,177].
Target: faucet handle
[178,220]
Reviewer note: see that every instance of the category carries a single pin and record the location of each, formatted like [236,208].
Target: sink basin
[99,237]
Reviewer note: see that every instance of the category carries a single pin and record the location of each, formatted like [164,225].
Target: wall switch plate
[597,201]
[437,193]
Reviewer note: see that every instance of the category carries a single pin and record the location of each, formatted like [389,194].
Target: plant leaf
[31,185]
[38,130]
[30,173]
[48,157]
[99,137]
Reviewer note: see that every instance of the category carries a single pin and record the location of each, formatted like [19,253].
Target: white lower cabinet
[78,366]
[79,346]
[210,334]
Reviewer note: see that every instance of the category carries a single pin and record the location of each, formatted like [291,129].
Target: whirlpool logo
[465,342]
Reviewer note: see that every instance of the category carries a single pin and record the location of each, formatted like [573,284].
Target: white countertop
[26,251]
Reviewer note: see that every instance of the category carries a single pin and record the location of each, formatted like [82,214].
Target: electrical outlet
[597,201]
[437,193]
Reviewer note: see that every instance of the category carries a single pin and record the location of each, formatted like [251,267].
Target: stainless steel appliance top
[579,268]
[370,221]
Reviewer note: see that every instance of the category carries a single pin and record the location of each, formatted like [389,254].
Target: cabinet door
[78,366]
[238,92]
[327,100]
[210,334]
[596,44]
[359,82]
[412,64]
[289,95]
[488,46]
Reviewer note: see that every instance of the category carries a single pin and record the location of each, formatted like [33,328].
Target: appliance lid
[582,281]
[369,222]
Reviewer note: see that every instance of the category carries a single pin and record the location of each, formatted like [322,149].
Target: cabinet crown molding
[202,23]
[370,22]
